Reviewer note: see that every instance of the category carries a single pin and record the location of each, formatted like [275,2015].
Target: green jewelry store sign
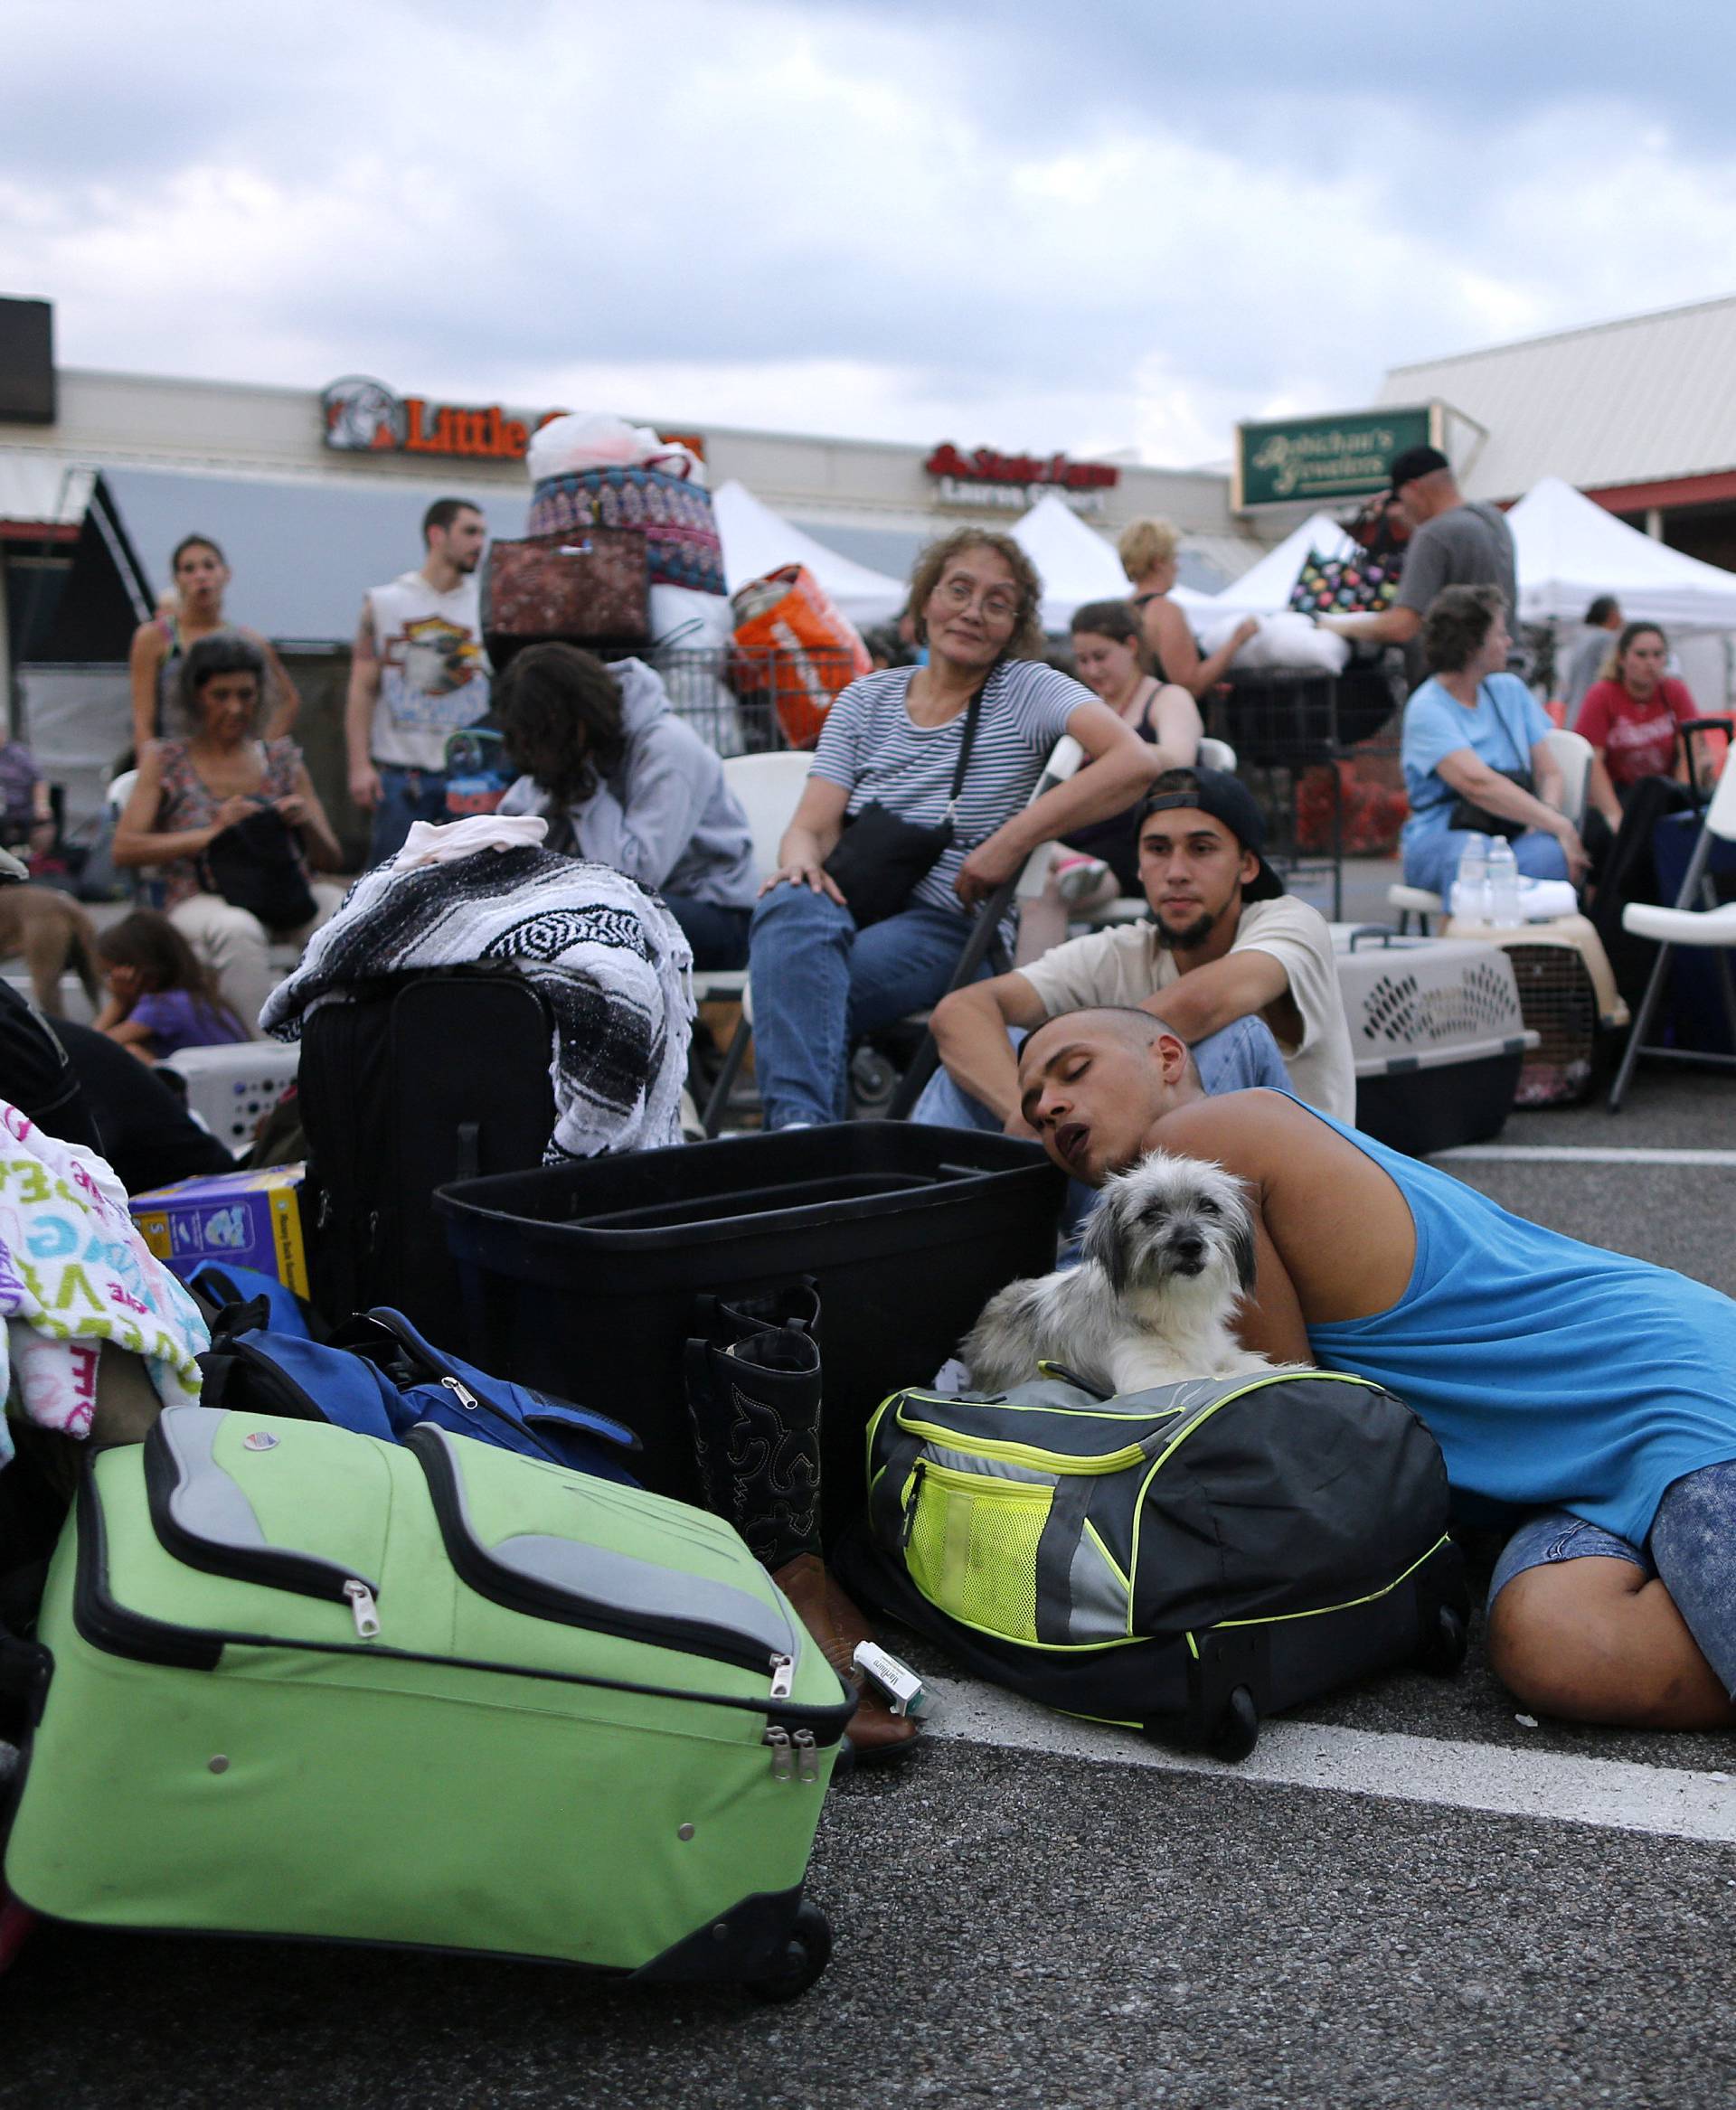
[1318,461]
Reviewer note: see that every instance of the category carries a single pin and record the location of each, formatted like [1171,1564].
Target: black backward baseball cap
[1227,799]
[1417,461]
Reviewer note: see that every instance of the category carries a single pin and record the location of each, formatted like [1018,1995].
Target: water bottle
[1471,888]
[1505,912]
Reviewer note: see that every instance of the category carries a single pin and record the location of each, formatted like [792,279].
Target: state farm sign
[1017,481]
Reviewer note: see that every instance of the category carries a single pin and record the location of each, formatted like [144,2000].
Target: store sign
[1303,461]
[1017,481]
[364,417]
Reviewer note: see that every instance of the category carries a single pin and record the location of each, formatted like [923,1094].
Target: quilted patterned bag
[676,517]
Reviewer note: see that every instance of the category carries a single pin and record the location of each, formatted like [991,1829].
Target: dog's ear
[1242,1247]
[1102,1242]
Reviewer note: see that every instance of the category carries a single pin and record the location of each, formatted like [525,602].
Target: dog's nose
[1187,1246]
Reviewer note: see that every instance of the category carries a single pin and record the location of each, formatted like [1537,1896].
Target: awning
[40,488]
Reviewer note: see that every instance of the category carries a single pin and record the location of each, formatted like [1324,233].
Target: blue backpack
[378,1377]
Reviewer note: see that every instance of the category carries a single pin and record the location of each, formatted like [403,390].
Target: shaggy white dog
[1167,1254]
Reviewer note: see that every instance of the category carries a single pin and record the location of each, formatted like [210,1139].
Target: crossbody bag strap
[971,711]
[1521,754]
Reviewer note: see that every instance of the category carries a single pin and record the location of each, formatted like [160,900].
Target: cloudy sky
[1107,224]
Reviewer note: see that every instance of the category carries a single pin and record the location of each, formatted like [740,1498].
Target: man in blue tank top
[1595,1392]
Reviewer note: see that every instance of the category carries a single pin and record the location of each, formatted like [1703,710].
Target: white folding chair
[1572,756]
[1710,928]
[769,788]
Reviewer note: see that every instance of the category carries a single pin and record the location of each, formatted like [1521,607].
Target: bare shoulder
[1262,1136]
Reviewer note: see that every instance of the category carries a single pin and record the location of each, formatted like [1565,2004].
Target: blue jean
[1433,863]
[718,936]
[1689,1551]
[819,983]
[406,796]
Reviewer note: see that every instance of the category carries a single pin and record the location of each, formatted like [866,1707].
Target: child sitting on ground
[160,997]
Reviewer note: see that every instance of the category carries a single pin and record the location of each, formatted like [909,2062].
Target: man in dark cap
[1454,541]
[1240,971]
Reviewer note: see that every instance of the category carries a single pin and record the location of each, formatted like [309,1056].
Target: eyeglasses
[997,603]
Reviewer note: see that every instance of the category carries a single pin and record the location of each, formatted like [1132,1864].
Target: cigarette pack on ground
[251,1218]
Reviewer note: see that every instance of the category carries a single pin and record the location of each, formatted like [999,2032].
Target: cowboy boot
[755,1406]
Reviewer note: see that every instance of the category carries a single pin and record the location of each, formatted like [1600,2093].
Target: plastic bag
[1282,641]
[597,439]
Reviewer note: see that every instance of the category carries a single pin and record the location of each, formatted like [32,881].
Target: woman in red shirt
[1630,718]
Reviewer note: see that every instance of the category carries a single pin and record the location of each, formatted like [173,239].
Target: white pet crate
[231,1088]
[1438,1035]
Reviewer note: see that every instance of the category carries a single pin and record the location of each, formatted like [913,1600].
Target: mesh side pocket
[973,1552]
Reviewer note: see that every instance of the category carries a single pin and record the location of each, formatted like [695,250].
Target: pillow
[1283,642]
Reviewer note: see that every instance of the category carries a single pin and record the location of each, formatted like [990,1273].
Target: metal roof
[302,554]
[1641,400]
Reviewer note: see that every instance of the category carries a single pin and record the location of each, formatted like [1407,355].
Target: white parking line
[1612,1793]
[1557,1153]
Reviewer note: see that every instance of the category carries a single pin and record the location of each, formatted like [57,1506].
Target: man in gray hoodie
[627,783]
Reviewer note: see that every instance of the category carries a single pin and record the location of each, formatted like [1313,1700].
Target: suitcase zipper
[1058,1462]
[780,1740]
[367,1619]
[522,1593]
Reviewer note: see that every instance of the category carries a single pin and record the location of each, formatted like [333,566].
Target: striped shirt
[870,748]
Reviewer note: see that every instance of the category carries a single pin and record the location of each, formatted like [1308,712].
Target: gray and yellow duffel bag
[1184,1559]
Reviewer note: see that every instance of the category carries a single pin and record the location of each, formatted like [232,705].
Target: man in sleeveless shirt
[1585,1396]
[418,675]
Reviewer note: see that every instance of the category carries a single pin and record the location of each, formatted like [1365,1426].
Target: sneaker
[1076,877]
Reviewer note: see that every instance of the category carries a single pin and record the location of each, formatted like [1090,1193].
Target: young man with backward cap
[1585,1396]
[1239,970]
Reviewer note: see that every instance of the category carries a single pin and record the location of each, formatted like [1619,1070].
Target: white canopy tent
[757,540]
[1268,586]
[1569,550]
[1076,564]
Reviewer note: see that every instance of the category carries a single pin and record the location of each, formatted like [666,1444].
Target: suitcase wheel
[807,1949]
[1237,1728]
[1444,1642]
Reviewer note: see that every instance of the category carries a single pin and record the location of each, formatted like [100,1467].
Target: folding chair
[1572,758]
[769,788]
[1710,928]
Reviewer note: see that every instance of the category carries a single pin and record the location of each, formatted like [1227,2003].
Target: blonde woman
[1148,555]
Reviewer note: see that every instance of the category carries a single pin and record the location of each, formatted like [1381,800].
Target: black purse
[1467,814]
[878,860]
[255,864]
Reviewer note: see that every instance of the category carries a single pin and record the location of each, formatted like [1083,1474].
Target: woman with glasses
[891,750]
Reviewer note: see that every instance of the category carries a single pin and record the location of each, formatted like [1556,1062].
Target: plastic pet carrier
[1568,995]
[583,1278]
[1437,1033]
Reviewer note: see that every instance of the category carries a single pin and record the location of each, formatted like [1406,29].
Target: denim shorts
[1692,1549]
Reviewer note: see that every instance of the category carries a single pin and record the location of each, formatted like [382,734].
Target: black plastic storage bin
[582,1279]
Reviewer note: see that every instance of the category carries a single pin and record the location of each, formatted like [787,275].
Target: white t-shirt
[433,672]
[871,747]
[1130,962]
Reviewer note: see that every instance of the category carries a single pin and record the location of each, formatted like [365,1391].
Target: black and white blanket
[610,959]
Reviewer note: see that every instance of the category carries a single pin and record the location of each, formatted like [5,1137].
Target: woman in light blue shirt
[1467,723]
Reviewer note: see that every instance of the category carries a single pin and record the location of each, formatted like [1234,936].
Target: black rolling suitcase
[1182,1560]
[420,1080]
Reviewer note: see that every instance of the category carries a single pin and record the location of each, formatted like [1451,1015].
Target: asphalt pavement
[1410,1894]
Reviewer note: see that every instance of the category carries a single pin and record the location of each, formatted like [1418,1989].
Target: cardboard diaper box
[251,1220]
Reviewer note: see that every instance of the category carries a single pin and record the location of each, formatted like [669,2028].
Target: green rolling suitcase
[297,1681]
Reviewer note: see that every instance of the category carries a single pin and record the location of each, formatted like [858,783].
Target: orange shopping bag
[805,650]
